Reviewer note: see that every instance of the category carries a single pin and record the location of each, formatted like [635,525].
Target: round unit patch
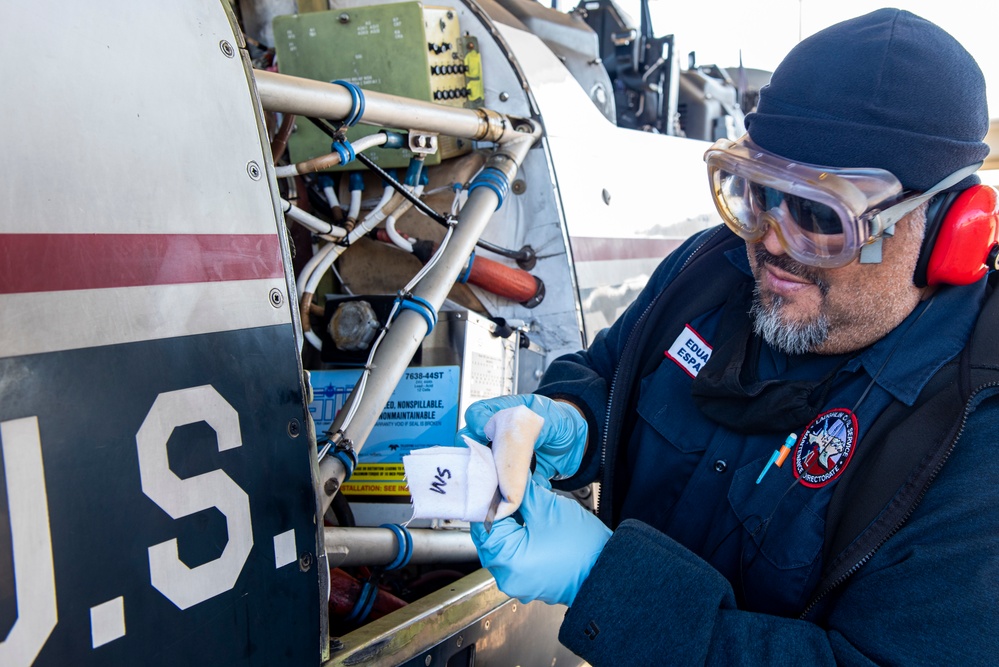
[825,447]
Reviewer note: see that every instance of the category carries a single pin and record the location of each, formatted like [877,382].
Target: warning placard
[377,479]
[423,412]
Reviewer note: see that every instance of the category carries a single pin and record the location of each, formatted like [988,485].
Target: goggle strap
[887,218]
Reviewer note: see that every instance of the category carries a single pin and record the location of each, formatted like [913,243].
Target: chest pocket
[783,532]
[678,421]
[668,441]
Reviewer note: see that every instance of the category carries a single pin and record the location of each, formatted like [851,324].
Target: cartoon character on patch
[825,447]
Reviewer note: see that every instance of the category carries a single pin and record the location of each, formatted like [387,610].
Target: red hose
[502,280]
[344,591]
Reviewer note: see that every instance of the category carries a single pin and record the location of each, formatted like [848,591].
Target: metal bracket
[423,143]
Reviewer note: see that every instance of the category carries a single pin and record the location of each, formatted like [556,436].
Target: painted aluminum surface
[156,469]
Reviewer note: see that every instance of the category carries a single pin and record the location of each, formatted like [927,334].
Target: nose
[770,240]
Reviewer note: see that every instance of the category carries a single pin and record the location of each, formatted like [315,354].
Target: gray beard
[788,338]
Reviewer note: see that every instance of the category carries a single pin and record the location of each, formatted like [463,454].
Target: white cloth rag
[459,483]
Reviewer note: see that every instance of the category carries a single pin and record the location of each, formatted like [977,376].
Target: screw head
[458,642]
[294,428]
[227,49]
[428,660]
[503,97]
[606,196]
[331,486]
[343,18]
[305,562]
[276,298]
[486,624]
[253,169]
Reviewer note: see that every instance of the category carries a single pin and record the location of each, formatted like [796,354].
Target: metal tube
[379,546]
[305,97]
[409,328]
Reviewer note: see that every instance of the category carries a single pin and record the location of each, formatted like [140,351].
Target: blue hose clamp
[405,541]
[344,150]
[463,278]
[357,102]
[364,604]
[421,306]
[344,452]
[495,180]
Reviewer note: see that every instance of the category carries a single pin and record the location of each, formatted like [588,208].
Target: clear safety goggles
[823,216]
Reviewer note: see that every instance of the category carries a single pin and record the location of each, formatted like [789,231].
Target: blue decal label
[423,412]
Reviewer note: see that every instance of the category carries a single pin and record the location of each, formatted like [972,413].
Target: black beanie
[888,90]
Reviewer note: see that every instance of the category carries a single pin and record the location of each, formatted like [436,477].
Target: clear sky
[766,30]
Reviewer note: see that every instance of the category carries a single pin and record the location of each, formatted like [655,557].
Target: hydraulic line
[305,97]
[330,159]
[525,257]
[280,142]
[311,222]
[379,546]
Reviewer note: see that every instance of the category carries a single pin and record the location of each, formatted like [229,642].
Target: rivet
[503,97]
[518,186]
[344,18]
[331,486]
[721,466]
[606,196]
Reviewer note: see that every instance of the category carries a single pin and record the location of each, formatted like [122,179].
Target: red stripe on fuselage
[58,262]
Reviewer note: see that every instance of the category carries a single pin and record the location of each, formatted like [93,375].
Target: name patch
[689,351]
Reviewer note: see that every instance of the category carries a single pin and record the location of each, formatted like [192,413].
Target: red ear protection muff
[962,237]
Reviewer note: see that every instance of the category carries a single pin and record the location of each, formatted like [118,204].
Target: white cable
[386,195]
[355,205]
[396,237]
[311,222]
[323,265]
[331,197]
[310,266]
[314,339]
[363,380]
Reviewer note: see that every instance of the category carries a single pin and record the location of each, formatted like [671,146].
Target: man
[793,424]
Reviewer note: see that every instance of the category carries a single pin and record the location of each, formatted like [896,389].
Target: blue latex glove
[550,554]
[560,444]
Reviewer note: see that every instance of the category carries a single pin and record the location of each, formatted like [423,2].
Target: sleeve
[584,378]
[927,597]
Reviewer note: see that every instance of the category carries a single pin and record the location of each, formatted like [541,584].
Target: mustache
[785,263]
